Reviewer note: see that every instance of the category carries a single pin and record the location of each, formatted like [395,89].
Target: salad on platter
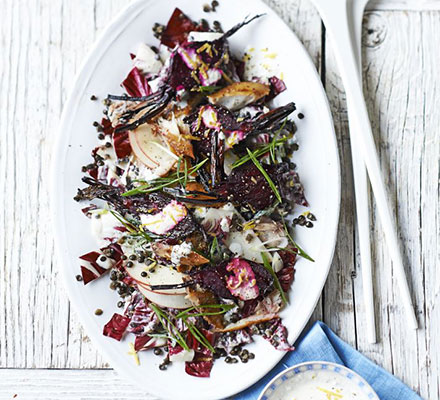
[190,196]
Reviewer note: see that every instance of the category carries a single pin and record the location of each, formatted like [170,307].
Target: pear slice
[162,275]
[151,149]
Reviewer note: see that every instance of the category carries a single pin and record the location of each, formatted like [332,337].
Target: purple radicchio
[143,318]
[232,339]
[91,270]
[136,84]
[276,334]
[116,327]
[277,86]
[203,361]
[177,29]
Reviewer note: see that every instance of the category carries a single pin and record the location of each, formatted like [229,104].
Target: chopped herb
[176,335]
[132,229]
[274,276]
[223,309]
[185,177]
[160,183]
[200,337]
[260,151]
[266,176]
[300,251]
[272,144]
[208,89]
[214,248]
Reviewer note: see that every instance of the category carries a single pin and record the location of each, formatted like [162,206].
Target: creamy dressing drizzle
[324,384]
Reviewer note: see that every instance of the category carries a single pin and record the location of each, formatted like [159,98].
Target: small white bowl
[307,371]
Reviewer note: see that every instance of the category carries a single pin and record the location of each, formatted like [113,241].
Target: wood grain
[402,97]
[67,385]
[43,43]
[404,5]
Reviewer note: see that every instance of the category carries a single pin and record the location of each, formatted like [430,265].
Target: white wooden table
[45,354]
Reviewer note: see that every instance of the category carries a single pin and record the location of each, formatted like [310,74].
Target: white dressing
[103,225]
[319,384]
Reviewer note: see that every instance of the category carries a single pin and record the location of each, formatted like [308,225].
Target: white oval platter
[318,165]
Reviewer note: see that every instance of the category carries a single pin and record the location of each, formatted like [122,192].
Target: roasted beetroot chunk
[247,186]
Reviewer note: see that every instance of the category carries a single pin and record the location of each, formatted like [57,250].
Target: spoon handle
[335,16]
[361,188]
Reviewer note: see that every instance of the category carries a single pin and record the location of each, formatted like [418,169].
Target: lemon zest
[330,395]
[133,353]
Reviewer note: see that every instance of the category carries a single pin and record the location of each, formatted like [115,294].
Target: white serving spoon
[361,184]
[335,15]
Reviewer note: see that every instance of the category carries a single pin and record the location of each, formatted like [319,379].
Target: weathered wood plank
[67,385]
[404,5]
[401,93]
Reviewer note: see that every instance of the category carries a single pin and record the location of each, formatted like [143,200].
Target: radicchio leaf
[87,210]
[287,273]
[203,361]
[143,318]
[147,342]
[136,84]
[277,86]
[232,339]
[276,334]
[93,270]
[285,276]
[116,327]
[107,127]
[121,143]
[177,29]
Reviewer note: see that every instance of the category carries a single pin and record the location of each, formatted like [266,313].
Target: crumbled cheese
[262,65]
[106,264]
[146,60]
[143,172]
[224,224]
[182,356]
[180,251]
[200,212]
[204,36]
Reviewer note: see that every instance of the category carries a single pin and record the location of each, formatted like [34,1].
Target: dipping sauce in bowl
[318,381]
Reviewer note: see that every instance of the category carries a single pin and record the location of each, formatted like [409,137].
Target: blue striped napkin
[320,343]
